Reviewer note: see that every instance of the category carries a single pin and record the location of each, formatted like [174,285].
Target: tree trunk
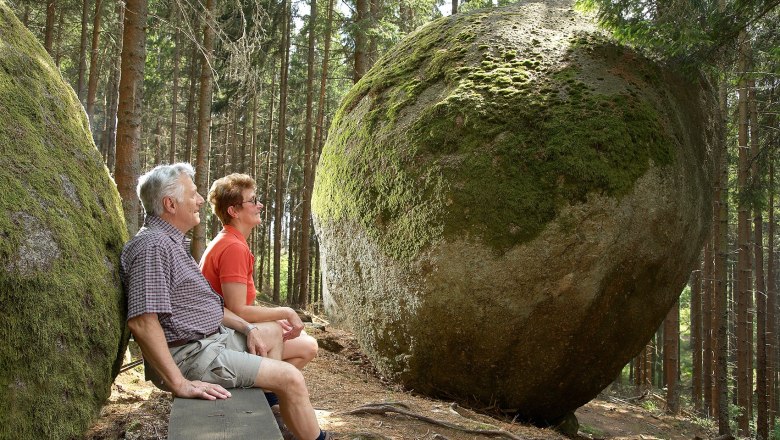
[308,178]
[280,150]
[406,12]
[771,303]
[292,247]
[720,251]
[317,297]
[361,41]
[94,73]
[376,9]
[26,15]
[82,70]
[58,42]
[129,109]
[708,339]
[266,186]
[253,140]
[157,145]
[743,358]
[231,149]
[244,126]
[190,110]
[648,363]
[48,33]
[762,425]
[671,358]
[204,126]
[175,86]
[454,7]
[696,332]
[323,83]
[254,172]
[109,133]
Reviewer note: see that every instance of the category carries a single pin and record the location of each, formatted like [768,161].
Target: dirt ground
[340,379]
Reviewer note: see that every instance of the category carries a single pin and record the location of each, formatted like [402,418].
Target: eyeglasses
[254,200]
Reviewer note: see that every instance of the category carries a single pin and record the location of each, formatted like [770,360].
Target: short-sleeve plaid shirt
[161,277]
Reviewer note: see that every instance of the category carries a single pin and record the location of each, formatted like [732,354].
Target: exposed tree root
[399,408]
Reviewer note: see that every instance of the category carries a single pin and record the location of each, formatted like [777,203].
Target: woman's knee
[311,348]
[303,347]
[270,330]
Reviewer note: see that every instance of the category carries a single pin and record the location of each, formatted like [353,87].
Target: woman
[228,265]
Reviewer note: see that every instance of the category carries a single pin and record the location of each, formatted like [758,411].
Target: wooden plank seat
[245,415]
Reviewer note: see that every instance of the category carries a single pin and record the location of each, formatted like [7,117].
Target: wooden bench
[245,415]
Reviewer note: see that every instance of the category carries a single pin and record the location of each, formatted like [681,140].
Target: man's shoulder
[148,238]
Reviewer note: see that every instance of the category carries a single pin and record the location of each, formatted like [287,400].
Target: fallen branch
[383,408]
[455,409]
[131,365]
[640,397]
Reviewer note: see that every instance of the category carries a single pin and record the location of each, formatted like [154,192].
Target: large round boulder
[61,231]
[508,204]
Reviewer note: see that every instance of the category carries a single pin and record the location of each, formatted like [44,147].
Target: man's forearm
[149,335]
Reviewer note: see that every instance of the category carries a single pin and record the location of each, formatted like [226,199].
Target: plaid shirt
[161,277]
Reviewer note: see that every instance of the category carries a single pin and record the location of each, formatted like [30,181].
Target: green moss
[62,313]
[498,152]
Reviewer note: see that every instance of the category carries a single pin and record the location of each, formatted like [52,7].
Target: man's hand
[255,344]
[292,325]
[200,390]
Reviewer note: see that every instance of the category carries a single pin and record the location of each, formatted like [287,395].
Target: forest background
[252,85]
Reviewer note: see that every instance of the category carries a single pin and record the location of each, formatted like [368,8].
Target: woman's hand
[292,325]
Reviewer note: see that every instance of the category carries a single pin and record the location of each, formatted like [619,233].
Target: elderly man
[197,347]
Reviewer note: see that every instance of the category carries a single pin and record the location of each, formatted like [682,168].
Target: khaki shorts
[221,359]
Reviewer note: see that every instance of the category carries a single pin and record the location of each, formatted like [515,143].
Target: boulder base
[508,204]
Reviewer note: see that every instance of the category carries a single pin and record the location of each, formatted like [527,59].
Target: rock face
[61,231]
[508,204]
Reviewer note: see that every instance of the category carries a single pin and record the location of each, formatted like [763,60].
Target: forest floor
[341,379]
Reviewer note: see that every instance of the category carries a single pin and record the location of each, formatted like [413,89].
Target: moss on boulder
[61,231]
[509,202]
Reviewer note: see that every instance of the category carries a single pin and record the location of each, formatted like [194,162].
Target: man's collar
[155,222]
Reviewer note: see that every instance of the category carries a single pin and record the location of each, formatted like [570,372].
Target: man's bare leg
[287,382]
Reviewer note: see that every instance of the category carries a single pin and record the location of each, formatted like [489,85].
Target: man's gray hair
[162,181]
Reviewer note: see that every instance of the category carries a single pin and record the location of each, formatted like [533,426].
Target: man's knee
[280,377]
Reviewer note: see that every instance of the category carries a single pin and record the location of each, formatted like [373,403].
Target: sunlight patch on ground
[328,420]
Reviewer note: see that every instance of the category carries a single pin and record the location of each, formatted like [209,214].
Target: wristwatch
[249,328]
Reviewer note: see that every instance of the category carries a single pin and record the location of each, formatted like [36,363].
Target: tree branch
[383,408]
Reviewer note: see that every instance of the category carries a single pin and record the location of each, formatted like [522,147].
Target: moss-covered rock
[61,231]
[509,202]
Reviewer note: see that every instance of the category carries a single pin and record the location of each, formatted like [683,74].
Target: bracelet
[249,328]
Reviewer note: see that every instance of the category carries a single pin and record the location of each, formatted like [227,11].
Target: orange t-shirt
[228,260]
